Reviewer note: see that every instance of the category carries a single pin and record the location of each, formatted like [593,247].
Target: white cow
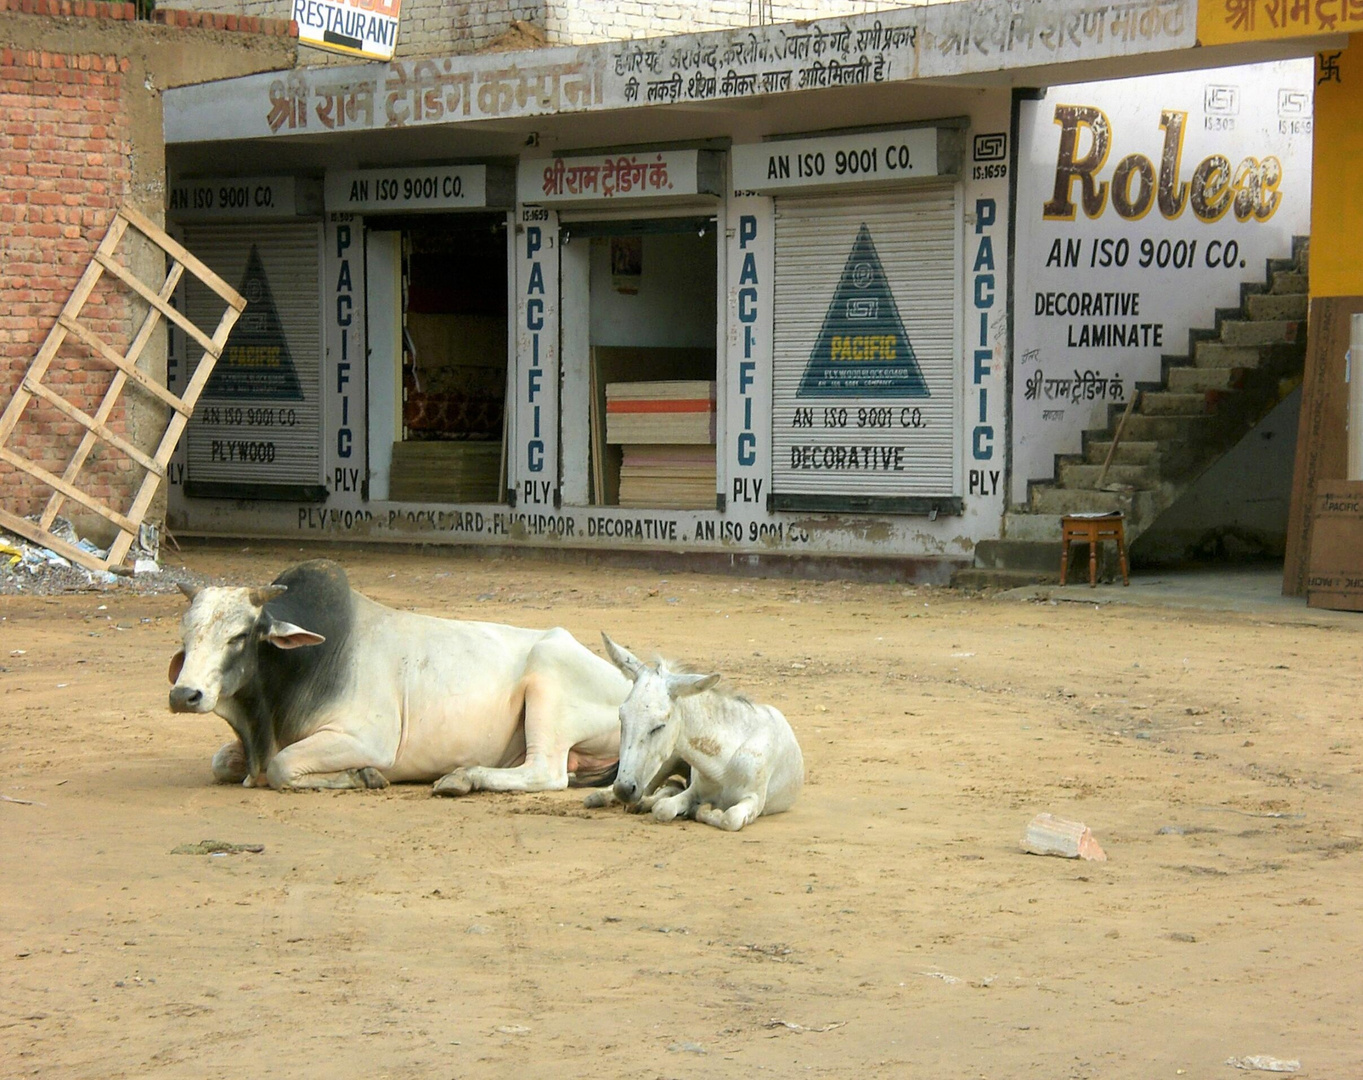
[744,759]
[327,689]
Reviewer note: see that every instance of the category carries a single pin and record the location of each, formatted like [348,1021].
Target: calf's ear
[685,685]
[622,658]
[285,635]
[177,663]
[190,591]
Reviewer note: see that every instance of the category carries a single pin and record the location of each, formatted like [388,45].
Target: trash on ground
[216,847]
[1050,835]
[775,1023]
[1264,1063]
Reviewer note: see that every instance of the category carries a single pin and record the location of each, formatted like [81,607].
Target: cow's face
[220,633]
[649,722]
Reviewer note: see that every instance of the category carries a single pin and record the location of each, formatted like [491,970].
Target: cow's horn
[190,591]
[261,597]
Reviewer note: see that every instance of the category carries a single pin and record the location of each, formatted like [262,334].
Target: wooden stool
[1092,529]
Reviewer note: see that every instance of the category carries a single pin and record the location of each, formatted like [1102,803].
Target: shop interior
[451,440]
[652,368]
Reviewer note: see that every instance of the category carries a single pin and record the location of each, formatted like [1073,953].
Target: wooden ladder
[96,427]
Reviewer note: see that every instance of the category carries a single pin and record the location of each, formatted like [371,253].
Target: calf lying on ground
[327,689]
[744,759]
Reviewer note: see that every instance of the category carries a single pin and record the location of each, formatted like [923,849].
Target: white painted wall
[675,305]
[1237,508]
[1256,112]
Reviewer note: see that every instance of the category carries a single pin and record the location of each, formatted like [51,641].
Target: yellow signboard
[1230,22]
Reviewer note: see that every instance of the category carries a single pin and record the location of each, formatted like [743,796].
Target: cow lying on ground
[327,689]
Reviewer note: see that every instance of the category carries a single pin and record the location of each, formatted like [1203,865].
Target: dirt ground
[888,926]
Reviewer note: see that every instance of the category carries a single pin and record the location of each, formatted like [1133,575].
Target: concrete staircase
[1204,403]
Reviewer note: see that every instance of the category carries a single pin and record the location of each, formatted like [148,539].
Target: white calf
[743,757]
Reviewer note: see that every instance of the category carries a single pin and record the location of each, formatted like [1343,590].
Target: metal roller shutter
[258,421]
[866,373]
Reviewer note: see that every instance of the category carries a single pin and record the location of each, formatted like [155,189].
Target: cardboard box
[1335,575]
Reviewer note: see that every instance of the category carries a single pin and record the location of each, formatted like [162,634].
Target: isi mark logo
[990,153]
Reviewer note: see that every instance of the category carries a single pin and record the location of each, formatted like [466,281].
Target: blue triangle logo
[256,362]
[862,350]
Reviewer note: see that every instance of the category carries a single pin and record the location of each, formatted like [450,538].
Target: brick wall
[443,28]
[80,136]
[65,166]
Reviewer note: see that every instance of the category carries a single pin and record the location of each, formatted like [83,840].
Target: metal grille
[910,439]
[261,430]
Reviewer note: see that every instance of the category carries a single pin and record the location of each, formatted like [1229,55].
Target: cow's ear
[190,591]
[685,685]
[285,635]
[177,663]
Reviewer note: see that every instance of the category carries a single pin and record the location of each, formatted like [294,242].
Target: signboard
[364,28]
[865,158]
[1142,207]
[619,177]
[388,191]
[1229,22]
[898,46]
[242,198]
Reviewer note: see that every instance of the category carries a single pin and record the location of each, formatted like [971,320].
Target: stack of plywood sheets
[658,476]
[438,471]
[661,412]
[667,434]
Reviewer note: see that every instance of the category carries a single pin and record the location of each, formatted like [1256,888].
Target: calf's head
[649,722]
[221,633]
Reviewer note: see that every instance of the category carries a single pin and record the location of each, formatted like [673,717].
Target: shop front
[257,431]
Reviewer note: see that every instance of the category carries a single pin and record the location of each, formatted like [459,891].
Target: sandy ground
[888,926]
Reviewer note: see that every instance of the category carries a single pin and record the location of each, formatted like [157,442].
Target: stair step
[1216,354]
[1055,500]
[1277,306]
[1173,403]
[1290,281]
[1144,428]
[1024,526]
[1129,452]
[1023,555]
[1189,380]
[1086,476]
[977,579]
[1258,332]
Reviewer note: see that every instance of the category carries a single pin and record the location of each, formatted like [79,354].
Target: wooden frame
[68,325]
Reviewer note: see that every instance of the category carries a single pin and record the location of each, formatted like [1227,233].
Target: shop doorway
[652,312]
[448,403]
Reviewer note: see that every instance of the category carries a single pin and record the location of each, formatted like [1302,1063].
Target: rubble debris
[216,847]
[1264,1063]
[1050,835]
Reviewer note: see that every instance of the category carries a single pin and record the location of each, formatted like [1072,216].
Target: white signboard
[242,197]
[897,46]
[1142,206]
[365,28]
[836,159]
[452,187]
[615,177]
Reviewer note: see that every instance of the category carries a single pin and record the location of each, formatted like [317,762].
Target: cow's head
[221,632]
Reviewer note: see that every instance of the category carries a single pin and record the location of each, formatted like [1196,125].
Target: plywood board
[1322,444]
[1335,577]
